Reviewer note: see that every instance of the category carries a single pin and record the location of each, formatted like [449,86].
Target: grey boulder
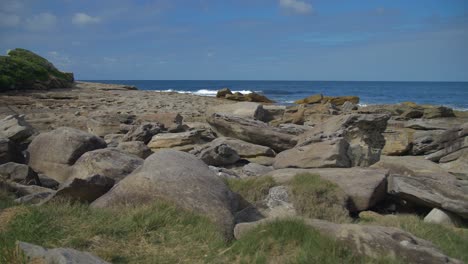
[53,153]
[179,178]
[108,162]
[136,148]
[252,131]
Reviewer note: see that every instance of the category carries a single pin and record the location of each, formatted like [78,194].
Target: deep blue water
[452,94]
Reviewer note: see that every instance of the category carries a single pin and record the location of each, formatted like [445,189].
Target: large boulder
[362,135]
[437,112]
[15,128]
[23,69]
[370,240]
[143,132]
[136,148]
[111,163]
[365,186]
[340,100]
[223,92]
[252,131]
[430,193]
[313,99]
[242,109]
[18,173]
[9,152]
[178,178]
[53,153]
[448,142]
[328,154]
[219,155]
[37,254]
[456,163]
[102,124]
[170,120]
[398,141]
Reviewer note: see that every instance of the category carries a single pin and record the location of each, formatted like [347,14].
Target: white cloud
[81,19]
[296,6]
[9,20]
[41,22]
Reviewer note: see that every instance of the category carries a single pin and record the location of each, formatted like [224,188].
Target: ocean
[451,94]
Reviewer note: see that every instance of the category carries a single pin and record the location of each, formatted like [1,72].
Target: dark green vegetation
[23,69]
[451,241]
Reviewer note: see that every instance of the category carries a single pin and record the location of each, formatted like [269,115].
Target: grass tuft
[452,241]
[252,189]
[314,197]
[291,241]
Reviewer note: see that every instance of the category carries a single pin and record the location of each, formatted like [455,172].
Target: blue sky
[395,40]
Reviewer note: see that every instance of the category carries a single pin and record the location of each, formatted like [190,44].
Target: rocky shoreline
[113,145]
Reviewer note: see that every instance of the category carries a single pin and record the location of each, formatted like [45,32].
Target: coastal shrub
[252,189]
[22,68]
[314,197]
[451,241]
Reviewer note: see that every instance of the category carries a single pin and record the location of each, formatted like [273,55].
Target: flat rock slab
[364,186]
[327,154]
[414,166]
[243,109]
[430,193]
[252,131]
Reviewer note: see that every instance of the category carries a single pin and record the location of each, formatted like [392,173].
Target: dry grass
[252,189]
[314,197]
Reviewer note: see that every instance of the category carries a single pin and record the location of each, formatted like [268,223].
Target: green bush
[22,68]
[314,197]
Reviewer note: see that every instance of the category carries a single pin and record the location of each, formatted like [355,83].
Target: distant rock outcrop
[23,69]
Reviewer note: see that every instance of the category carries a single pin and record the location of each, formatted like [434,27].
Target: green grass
[451,241]
[161,233]
[252,189]
[314,197]
[291,241]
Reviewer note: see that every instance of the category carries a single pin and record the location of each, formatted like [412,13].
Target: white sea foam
[202,92]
